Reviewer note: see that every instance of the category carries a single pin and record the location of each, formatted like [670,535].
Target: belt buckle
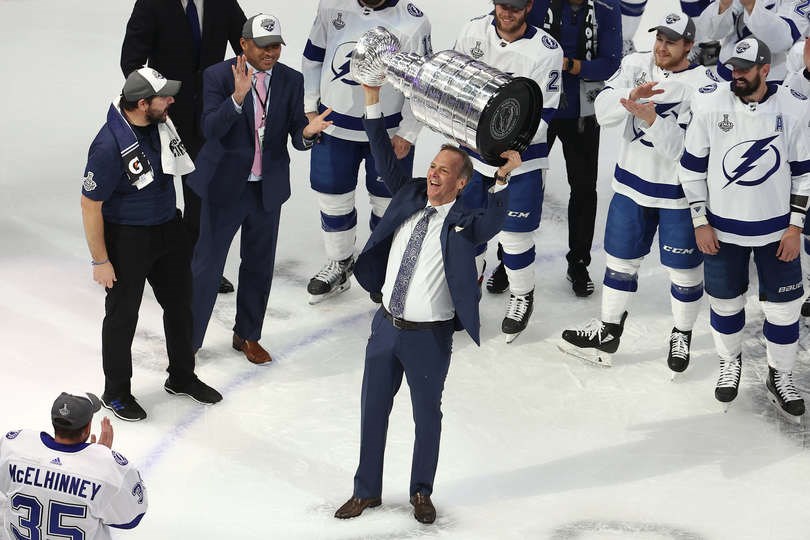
[398,323]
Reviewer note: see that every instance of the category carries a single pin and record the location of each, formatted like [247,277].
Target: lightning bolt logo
[749,160]
[343,53]
[661,109]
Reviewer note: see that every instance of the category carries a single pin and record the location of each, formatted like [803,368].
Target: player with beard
[746,173]
[503,39]
[135,234]
[649,97]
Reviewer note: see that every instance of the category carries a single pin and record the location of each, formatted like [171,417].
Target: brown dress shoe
[355,506]
[254,352]
[423,509]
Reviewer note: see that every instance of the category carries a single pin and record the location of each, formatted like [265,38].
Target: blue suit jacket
[463,230]
[224,163]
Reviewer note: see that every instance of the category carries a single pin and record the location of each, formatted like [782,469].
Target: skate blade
[789,417]
[592,356]
[318,298]
[511,337]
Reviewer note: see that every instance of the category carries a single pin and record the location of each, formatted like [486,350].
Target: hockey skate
[729,381]
[331,280]
[782,393]
[594,342]
[806,307]
[518,312]
[678,358]
[498,282]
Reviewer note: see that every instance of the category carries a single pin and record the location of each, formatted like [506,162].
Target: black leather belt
[402,324]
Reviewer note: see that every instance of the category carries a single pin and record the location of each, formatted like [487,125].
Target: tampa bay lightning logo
[798,95]
[415,11]
[661,109]
[340,63]
[121,460]
[672,18]
[708,89]
[750,163]
[12,435]
[268,24]
[742,47]
[137,492]
[549,43]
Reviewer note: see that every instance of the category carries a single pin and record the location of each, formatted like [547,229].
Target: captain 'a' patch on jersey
[536,56]
[327,80]
[746,160]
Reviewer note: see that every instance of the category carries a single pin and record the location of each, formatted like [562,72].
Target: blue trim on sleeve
[633,9]
[749,228]
[798,168]
[781,335]
[356,124]
[650,189]
[547,114]
[694,163]
[727,324]
[695,7]
[313,53]
[794,30]
[131,525]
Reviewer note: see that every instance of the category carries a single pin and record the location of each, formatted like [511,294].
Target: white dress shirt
[428,297]
[199,5]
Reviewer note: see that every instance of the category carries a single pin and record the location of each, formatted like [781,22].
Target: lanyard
[263,103]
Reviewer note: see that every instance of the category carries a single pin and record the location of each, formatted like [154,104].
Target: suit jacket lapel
[453,217]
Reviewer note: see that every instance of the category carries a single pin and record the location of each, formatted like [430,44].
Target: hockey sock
[339,224]
[621,282]
[727,319]
[781,331]
[518,259]
[685,294]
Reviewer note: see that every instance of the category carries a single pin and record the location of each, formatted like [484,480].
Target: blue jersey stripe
[749,228]
[797,168]
[632,9]
[794,30]
[650,189]
[316,54]
[694,163]
[350,122]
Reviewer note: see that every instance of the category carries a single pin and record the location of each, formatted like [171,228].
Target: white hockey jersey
[647,165]
[778,23]
[536,56]
[742,162]
[327,81]
[77,491]
[632,10]
[798,82]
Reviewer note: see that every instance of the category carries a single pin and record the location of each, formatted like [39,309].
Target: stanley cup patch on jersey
[725,124]
[477,52]
[338,22]
[88,183]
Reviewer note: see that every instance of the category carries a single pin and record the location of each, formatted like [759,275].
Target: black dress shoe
[225,286]
[355,506]
[423,509]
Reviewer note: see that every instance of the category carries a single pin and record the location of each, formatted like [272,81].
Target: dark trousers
[191,212]
[160,255]
[424,357]
[218,225]
[580,140]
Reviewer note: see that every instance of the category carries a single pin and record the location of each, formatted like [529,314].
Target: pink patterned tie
[259,110]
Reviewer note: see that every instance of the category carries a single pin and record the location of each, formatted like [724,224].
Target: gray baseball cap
[146,82]
[676,25]
[74,412]
[520,4]
[263,29]
[748,53]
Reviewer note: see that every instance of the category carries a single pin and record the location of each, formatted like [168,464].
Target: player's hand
[513,161]
[106,437]
[807,53]
[642,111]
[401,146]
[242,79]
[645,91]
[311,115]
[372,94]
[789,244]
[318,124]
[706,240]
[104,274]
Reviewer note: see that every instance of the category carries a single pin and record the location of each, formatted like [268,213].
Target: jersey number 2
[554,79]
[32,523]
[802,8]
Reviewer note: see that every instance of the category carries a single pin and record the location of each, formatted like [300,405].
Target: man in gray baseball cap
[518,4]
[750,63]
[263,29]
[676,26]
[748,53]
[74,412]
[146,82]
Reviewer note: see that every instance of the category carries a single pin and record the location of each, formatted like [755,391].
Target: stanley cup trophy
[472,103]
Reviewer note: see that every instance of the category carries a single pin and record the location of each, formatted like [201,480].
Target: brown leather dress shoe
[423,509]
[355,506]
[254,352]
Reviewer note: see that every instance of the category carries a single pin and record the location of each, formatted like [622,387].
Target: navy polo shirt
[609,46]
[106,180]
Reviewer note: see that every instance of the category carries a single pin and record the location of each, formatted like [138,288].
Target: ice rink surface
[536,444]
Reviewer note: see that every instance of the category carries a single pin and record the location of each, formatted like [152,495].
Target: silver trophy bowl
[474,104]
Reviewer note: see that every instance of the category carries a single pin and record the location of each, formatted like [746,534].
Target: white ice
[535,444]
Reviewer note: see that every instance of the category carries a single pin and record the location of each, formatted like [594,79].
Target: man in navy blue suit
[422,257]
[251,106]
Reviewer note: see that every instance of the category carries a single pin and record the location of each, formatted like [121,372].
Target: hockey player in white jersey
[746,173]
[648,98]
[503,39]
[64,486]
[336,159]
[778,23]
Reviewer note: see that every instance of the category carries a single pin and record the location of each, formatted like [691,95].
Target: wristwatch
[503,179]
